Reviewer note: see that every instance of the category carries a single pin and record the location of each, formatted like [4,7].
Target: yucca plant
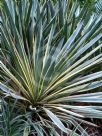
[49,61]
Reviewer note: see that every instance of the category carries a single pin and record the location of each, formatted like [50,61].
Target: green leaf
[26,132]
[56,120]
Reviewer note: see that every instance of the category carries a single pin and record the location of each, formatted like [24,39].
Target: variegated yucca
[50,61]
